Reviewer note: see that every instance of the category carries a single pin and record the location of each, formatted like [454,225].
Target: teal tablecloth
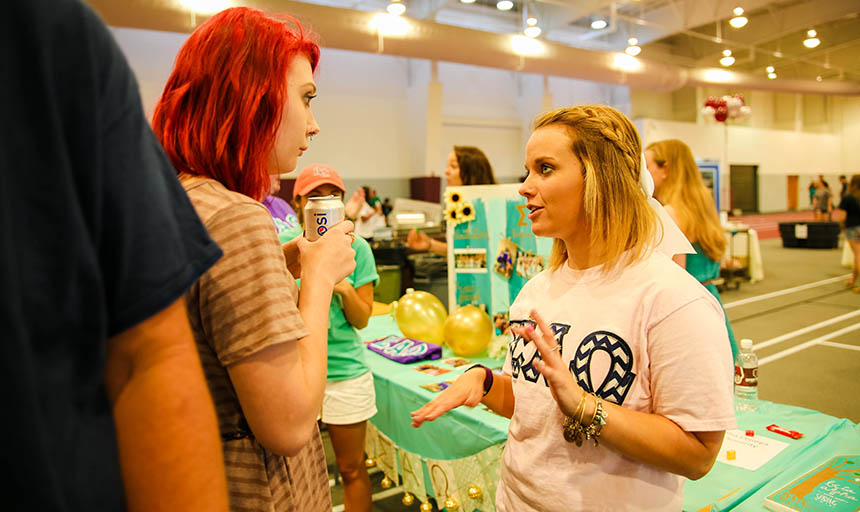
[464,432]
[727,487]
[459,433]
[842,439]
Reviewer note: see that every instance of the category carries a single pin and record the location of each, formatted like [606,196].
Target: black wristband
[488,377]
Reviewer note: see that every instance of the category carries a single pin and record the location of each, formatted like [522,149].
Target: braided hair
[622,226]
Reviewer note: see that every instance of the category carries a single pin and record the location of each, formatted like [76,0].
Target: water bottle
[746,377]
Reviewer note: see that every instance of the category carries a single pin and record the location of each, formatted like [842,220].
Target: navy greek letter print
[619,378]
[523,357]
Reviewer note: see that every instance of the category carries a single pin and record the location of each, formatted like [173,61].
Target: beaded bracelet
[593,430]
[573,429]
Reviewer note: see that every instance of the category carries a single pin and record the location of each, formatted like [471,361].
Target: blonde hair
[622,225]
[685,191]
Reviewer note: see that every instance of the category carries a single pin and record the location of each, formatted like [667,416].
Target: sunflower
[452,214]
[466,212]
[453,197]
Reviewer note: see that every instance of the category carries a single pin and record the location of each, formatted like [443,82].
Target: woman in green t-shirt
[350,399]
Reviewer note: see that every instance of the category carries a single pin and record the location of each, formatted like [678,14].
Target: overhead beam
[351,30]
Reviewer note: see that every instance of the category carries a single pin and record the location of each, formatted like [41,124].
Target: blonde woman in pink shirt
[618,377]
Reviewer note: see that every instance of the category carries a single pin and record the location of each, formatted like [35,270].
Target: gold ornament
[475,492]
[386,483]
[426,507]
[468,331]
[369,462]
[421,316]
[451,503]
[408,500]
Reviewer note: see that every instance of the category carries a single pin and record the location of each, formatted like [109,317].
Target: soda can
[320,214]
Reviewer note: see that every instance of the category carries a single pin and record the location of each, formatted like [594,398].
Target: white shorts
[349,401]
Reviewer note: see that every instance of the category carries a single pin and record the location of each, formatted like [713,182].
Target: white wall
[777,153]
[377,124]
[379,127]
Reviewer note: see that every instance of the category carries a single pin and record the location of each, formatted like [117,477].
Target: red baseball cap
[315,175]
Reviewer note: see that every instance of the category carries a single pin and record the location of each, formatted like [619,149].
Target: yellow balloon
[468,331]
[421,316]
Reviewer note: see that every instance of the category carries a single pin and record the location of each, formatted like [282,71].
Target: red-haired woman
[235,110]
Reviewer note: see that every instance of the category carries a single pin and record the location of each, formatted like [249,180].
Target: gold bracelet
[580,408]
[571,429]
[594,430]
[594,415]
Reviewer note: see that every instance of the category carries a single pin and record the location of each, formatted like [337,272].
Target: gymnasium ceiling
[677,37]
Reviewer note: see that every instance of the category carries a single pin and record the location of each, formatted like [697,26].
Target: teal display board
[492,251]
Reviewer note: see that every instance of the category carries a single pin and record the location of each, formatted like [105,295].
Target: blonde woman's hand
[467,390]
[331,255]
[563,387]
[353,206]
[418,240]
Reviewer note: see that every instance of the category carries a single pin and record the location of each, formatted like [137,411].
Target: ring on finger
[557,347]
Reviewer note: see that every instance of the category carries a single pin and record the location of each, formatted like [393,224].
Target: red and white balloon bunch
[726,108]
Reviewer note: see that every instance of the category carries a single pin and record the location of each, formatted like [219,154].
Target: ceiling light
[633,49]
[532,31]
[467,1]
[727,59]
[504,5]
[811,41]
[522,45]
[769,69]
[739,20]
[532,21]
[777,54]
[207,6]
[771,75]
[818,78]
[396,8]
[626,62]
[599,24]
[389,25]
[718,75]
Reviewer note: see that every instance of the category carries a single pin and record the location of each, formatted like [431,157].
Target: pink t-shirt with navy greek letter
[649,338]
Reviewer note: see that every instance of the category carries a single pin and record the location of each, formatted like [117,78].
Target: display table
[743,244]
[464,445]
[812,235]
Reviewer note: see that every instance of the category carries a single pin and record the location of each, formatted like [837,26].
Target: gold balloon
[421,316]
[408,500]
[386,483]
[426,507]
[475,492]
[451,504]
[369,462]
[468,331]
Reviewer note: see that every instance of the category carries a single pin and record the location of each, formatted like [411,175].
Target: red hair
[221,108]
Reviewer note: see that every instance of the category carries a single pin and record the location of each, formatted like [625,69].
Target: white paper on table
[801,231]
[750,452]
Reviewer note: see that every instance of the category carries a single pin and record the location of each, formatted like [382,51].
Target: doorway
[791,191]
[743,180]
